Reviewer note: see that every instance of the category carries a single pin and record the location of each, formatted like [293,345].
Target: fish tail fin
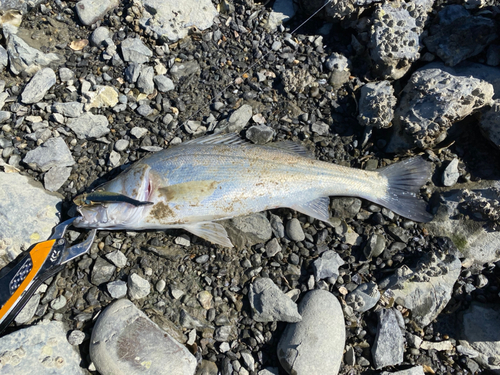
[404,180]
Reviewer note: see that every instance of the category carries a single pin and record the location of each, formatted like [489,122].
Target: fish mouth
[118,215]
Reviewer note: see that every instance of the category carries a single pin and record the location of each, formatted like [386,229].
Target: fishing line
[231,84]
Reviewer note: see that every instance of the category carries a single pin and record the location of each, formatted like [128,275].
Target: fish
[198,183]
[99,197]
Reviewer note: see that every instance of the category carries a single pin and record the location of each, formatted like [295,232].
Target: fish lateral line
[99,197]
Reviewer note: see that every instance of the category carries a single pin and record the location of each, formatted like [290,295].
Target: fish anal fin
[212,232]
[317,208]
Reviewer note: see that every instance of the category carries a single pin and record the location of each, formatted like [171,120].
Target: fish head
[134,183]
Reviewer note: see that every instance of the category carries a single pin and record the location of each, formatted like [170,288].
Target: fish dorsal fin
[211,232]
[218,139]
[292,147]
[317,208]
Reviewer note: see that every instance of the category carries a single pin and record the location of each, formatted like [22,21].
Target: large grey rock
[52,153]
[89,126]
[388,348]
[171,20]
[184,69]
[21,224]
[461,38]
[314,345]
[376,104]
[134,50]
[91,11]
[395,36]
[364,297]
[42,349]
[68,109]
[22,57]
[479,329]
[38,86]
[426,289]
[270,304]
[246,231]
[473,238]
[432,101]
[125,341]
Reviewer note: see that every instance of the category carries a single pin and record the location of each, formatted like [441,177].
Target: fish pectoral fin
[317,208]
[211,232]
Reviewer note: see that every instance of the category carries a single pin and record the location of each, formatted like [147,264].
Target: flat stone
[138,132]
[248,230]
[270,304]
[364,297]
[134,50]
[117,289]
[89,126]
[138,287]
[91,11]
[163,83]
[22,225]
[388,348]
[479,329]
[38,86]
[22,57]
[56,177]
[43,347]
[426,289]
[117,258]
[52,153]
[145,81]
[171,20]
[314,345]
[104,96]
[260,134]
[236,121]
[28,310]
[327,265]
[125,340]
[102,271]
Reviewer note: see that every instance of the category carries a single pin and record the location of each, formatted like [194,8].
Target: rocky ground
[88,88]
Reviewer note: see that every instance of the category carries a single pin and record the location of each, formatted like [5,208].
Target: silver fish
[197,183]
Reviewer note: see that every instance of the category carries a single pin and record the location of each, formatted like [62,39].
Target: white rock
[125,341]
[316,344]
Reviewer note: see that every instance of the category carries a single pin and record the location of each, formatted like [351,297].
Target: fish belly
[220,185]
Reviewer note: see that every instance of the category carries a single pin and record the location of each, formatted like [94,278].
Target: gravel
[142,77]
